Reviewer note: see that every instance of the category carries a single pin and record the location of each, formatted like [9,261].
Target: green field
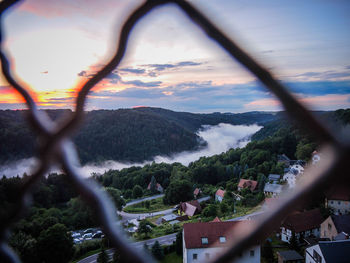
[155,206]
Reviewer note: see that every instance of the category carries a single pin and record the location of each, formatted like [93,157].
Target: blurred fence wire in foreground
[55,146]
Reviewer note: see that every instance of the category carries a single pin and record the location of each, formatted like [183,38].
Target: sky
[56,46]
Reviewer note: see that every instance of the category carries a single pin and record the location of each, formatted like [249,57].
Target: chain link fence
[56,147]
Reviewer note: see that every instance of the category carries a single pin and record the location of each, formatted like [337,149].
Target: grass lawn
[172,258]
[155,206]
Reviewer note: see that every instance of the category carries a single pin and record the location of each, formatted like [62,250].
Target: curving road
[127,216]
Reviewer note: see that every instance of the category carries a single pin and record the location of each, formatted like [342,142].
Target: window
[251,253]
[207,255]
[329,226]
[195,256]
[205,240]
[332,202]
[338,202]
[222,239]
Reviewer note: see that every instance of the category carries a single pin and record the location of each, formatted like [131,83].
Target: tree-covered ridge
[132,135]
[139,134]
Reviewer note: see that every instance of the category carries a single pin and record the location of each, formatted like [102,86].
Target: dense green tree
[224,207]
[178,243]
[137,191]
[304,151]
[128,194]
[157,251]
[210,211]
[55,244]
[115,194]
[144,228]
[178,191]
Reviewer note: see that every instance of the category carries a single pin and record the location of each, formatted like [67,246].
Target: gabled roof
[302,221]
[339,192]
[274,188]
[190,208]
[336,251]
[220,192]
[290,255]
[342,223]
[250,184]
[193,233]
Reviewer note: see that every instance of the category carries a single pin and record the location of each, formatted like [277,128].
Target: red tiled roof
[216,219]
[193,233]
[220,192]
[302,221]
[339,192]
[243,183]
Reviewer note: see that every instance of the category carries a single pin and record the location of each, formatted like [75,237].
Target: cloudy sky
[55,46]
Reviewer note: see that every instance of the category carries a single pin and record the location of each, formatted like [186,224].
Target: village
[208,227]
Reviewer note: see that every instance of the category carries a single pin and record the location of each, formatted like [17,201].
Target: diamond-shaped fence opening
[57,148]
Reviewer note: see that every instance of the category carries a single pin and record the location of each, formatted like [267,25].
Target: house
[283,159]
[301,224]
[289,256]
[250,184]
[290,177]
[336,227]
[190,208]
[274,178]
[159,188]
[338,199]
[273,189]
[203,241]
[328,252]
[196,193]
[219,195]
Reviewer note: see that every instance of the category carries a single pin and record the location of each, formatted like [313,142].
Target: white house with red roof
[338,199]
[219,195]
[204,241]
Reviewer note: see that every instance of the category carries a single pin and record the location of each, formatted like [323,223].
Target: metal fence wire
[56,146]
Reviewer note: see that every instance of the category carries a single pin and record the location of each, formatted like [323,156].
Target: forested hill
[131,135]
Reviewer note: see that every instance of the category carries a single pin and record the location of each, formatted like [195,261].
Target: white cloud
[220,138]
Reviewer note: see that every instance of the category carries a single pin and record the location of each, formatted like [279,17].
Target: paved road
[246,216]
[164,240]
[127,216]
[143,199]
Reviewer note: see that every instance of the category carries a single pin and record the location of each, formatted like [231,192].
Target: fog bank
[219,138]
